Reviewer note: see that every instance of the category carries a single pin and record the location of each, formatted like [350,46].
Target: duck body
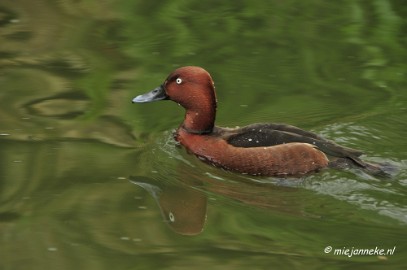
[258,149]
[278,160]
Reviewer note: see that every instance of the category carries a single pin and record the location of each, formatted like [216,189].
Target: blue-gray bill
[154,95]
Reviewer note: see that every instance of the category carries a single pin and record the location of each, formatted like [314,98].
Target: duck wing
[261,135]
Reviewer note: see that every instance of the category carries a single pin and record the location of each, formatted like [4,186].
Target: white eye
[178,80]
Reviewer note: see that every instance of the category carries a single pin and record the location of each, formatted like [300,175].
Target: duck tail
[382,170]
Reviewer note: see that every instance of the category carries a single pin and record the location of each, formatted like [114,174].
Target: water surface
[90,181]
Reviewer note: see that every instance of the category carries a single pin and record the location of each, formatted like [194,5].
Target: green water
[90,181]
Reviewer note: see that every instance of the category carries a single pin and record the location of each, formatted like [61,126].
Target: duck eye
[178,80]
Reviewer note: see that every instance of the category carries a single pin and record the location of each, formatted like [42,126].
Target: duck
[260,149]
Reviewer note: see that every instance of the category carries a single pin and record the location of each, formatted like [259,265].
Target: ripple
[379,196]
[66,105]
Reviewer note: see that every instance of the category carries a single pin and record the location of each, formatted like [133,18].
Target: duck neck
[200,119]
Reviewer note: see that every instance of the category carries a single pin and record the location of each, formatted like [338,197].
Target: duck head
[192,88]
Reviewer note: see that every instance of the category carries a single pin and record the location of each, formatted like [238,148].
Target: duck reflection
[183,205]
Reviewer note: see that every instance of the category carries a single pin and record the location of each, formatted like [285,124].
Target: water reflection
[183,204]
[182,207]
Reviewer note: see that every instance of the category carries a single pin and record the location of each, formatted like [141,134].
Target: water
[90,181]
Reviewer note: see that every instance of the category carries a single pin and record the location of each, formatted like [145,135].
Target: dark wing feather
[260,135]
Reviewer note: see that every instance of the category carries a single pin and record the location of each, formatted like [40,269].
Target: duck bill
[154,95]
